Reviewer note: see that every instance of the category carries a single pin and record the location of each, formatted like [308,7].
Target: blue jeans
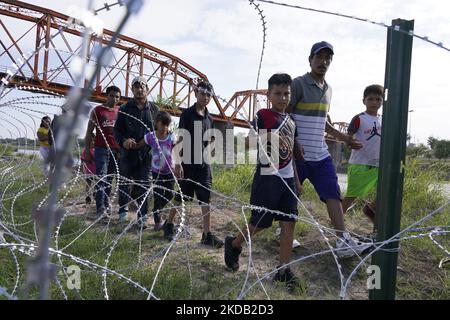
[139,176]
[105,163]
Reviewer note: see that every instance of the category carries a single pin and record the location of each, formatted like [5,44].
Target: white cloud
[222,39]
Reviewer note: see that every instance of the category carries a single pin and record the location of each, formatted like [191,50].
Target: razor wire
[346,16]
[245,289]
[264,30]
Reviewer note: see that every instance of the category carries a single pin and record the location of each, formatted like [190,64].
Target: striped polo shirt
[310,105]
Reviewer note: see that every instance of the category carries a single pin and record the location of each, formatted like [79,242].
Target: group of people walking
[135,141]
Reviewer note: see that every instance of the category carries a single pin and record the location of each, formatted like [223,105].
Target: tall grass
[191,273]
[235,181]
[7,150]
[423,192]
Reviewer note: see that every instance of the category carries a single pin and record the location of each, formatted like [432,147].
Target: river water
[342,180]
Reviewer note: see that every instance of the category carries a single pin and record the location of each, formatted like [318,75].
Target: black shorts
[198,179]
[272,193]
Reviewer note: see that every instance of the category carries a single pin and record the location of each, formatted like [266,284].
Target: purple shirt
[161,152]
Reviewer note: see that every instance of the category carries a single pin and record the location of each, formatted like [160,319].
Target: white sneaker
[349,246]
[295,243]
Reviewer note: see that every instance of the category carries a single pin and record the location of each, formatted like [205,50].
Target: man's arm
[299,153]
[177,159]
[347,139]
[119,130]
[334,132]
[211,138]
[297,180]
[176,149]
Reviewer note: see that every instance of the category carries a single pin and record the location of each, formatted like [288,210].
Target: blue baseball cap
[319,46]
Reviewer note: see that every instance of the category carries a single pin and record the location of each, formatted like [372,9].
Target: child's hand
[354,144]
[299,153]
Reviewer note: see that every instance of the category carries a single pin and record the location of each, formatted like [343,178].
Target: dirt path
[319,274]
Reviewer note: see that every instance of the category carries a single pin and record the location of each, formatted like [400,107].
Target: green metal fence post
[392,154]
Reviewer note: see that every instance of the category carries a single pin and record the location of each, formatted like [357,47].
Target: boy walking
[274,187]
[363,164]
[194,171]
[106,155]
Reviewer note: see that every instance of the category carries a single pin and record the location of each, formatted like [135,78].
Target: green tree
[415,151]
[442,149]
[432,142]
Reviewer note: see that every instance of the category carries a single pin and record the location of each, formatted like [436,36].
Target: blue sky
[222,38]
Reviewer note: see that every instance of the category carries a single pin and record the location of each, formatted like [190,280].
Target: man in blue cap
[309,106]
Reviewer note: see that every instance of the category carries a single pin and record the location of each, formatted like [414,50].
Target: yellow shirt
[43,131]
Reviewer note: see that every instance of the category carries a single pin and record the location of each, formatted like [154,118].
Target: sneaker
[231,254]
[211,240]
[285,275]
[169,232]
[368,211]
[349,246]
[295,243]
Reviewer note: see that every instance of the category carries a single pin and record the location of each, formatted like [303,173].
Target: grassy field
[188,270]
